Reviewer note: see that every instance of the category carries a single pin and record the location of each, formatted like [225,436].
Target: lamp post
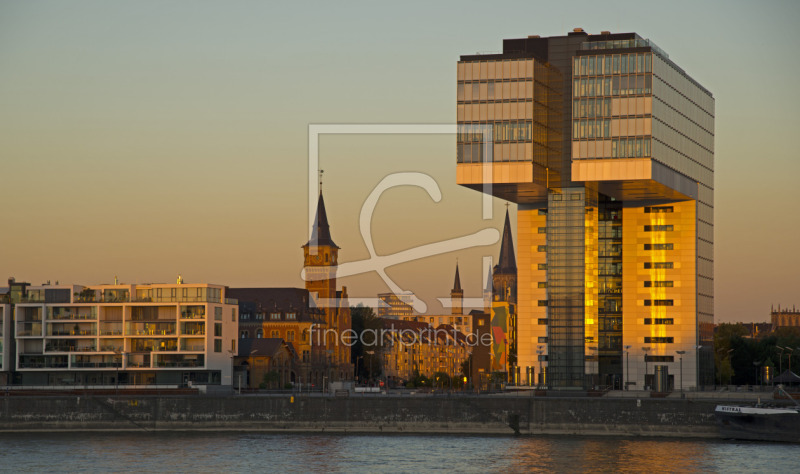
[627,366]
[681,353]
[540,351]
[756,364]
[646,350]
[791,352]
[780,359]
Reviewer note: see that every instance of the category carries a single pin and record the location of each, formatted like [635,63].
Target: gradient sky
[146,139]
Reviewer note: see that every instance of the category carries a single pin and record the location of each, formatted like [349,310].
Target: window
[658,340]
[658,209]
[658,246]
[658,228]
[259,334]
[291,316]
[658,284]
[543,357]
[217,329]
[275,333]
[218,313]
[543,340]
[233,315]
[542,212]
[217,345]
[542,302]
[650,358]
[275,316]
[542,284]
[305,356]
[542,321]
[233,345]
[243,334]
[290,336]
[542,230]
[658,265]
[542,248]
[542,266]
[658,303]
[667,321]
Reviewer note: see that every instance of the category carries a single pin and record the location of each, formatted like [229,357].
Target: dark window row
[658,265]
[612,64]
[658,340]
[658,284]
[650,358]
[658,303]
[658,228]
[666,321]
[658,246]
[612,86]
[658,209]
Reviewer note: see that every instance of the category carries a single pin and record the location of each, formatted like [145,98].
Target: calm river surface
[234,452]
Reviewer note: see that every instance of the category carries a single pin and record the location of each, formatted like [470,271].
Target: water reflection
[242,452]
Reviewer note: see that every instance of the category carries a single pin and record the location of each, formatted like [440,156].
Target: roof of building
[321,232]
[261,347]
[507,264]
[281,300]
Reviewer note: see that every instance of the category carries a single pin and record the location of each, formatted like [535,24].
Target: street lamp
[780,358]
[791,351]
[627,367]
[681,353]
[646,350]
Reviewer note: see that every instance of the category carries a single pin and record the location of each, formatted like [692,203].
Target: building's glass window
[658,246]
[650,358]
[275,316]
[658,340]
[658,228]
[542,266]
[217,329]
[658,265]
[259,334]
[658,302]
[665,321]
[658,209]
[217,345]
[658,284]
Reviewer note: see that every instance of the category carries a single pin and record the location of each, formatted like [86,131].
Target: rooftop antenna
[116,280]
[180,279]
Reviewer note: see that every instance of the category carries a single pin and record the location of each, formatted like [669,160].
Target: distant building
[456,318]
[264,363]
[312,321]
[286,314]
[783,317]
[394,306]
[412,347]
[129,334]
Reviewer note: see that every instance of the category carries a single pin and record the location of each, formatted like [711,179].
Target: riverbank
[480,415]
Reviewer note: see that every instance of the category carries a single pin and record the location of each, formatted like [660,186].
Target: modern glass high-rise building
[607,147]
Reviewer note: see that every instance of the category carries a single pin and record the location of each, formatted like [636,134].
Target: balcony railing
[72,332]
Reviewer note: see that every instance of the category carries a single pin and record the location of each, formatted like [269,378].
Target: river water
[247,452]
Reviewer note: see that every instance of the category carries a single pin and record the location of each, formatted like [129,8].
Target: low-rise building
[130,334]
[264,363]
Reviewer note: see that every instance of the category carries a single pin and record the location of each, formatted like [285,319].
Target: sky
[149,139]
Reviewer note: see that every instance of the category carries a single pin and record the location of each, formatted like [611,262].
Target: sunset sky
[147,139]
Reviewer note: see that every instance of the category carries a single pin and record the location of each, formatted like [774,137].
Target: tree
[270,378]
[367,352]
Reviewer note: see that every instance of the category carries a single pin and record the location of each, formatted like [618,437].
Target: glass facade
[616,256]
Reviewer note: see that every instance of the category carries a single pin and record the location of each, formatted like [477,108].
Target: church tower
[504,278]
[457,295]
[321,257]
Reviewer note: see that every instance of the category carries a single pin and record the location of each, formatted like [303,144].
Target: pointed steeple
[321,233]
[457,295]
[457,282]
[508,261]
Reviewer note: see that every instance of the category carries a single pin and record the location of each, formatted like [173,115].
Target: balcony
[151,329]
[38,361]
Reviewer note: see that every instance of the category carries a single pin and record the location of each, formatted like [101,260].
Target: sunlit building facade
[125,334]
[607,147]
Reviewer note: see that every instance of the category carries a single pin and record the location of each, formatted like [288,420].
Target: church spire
[321,233]
[508,261]
[457,282]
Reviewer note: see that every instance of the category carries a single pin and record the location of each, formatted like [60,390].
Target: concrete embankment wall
[370,414]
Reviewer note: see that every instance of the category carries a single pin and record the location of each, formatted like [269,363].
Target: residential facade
[124,334]
[607,148]
[412,347]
